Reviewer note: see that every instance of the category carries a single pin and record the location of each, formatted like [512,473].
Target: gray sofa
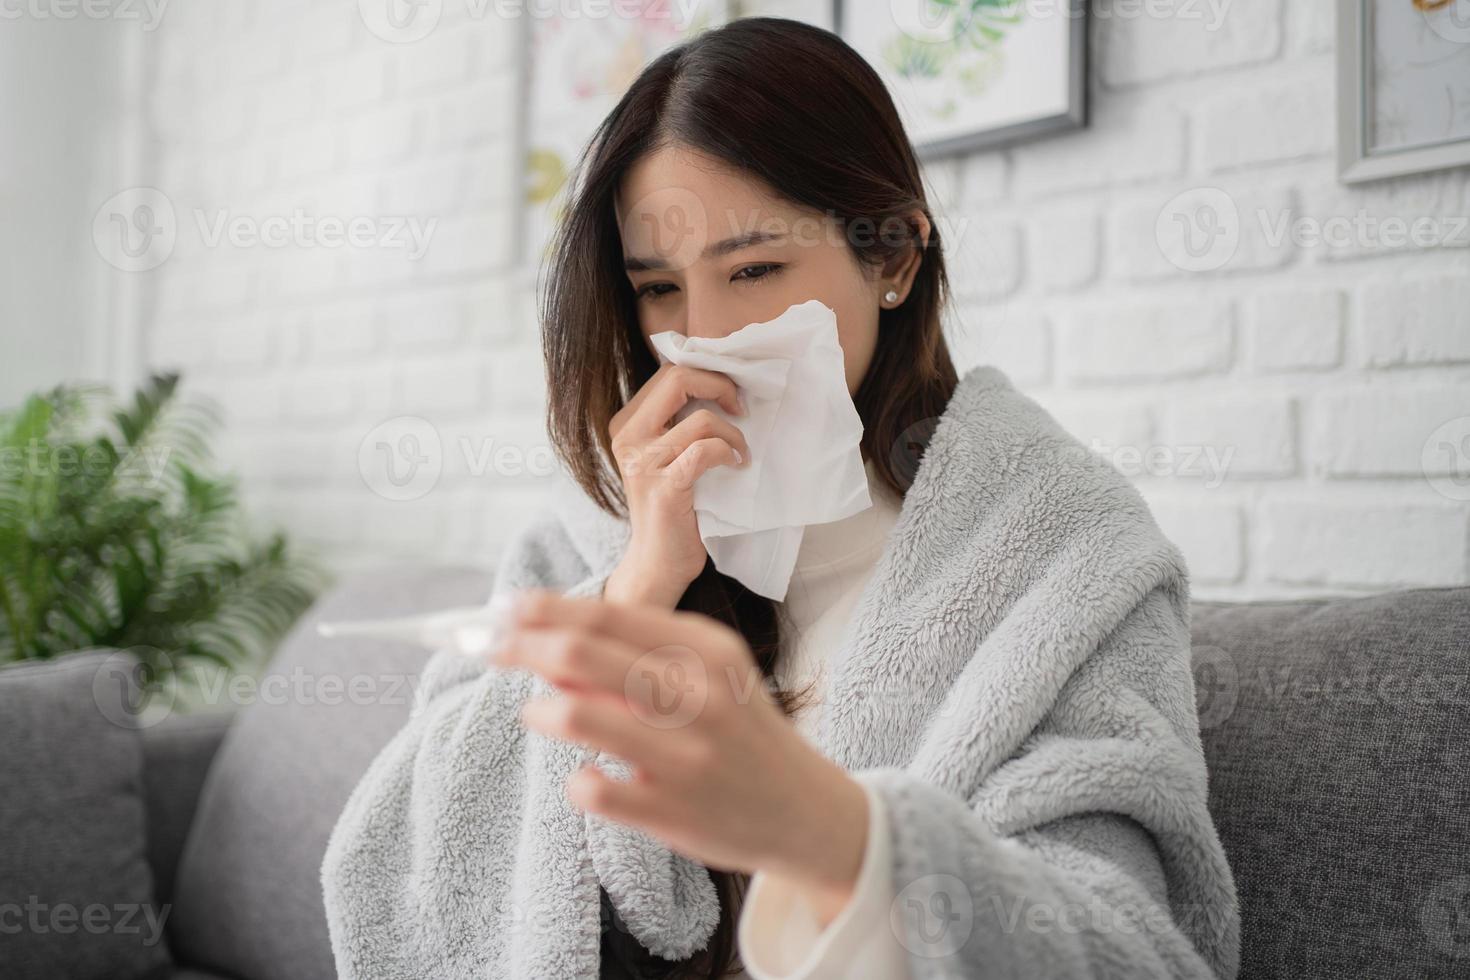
[1337,733]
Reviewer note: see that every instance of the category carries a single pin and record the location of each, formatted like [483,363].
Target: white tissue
[803,432]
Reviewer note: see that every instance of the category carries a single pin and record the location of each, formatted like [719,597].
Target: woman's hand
[719,773]
[658,465]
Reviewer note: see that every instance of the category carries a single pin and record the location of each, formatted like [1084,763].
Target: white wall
[264,110]
[64,113]
[1316,374]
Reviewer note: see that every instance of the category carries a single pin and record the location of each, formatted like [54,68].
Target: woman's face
[709,250]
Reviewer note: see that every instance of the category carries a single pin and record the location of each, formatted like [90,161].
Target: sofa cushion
[1338,739]
[177,752]
[248,897]
[76,895]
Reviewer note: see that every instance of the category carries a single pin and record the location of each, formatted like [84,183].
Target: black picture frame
[1074,117]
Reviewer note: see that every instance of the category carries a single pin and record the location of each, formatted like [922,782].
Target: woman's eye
[651,290]
[749,273]
[763,270]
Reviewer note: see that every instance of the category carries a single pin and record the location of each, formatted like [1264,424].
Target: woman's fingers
[700,425]
[658,400]
[635,404]
[606,725]
[700,457]
[659,662]
[718,442]
[634,802]
[644,627]
[575,658]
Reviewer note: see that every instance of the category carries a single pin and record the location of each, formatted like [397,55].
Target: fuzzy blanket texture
[1015,681]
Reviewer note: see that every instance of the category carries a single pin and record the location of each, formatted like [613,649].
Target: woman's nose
[711,319]
[705,330]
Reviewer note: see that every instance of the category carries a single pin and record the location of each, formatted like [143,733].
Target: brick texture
[1282,369]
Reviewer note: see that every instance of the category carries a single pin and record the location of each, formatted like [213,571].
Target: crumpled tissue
[803,431]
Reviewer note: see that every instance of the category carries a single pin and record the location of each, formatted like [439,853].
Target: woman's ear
[899,271]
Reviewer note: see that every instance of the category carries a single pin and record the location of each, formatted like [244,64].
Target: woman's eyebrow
[633,263]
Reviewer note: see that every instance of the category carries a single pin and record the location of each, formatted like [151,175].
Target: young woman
[980,756]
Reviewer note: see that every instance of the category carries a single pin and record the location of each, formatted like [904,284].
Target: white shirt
[778,934]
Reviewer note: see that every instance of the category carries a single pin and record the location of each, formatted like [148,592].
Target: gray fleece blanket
[1015,682]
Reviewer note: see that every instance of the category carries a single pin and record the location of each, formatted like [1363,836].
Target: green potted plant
[116,532]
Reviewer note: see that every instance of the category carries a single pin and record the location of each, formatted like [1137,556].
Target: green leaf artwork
[966,50]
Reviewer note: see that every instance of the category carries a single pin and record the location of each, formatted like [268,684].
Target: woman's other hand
[658,465]
[718,772]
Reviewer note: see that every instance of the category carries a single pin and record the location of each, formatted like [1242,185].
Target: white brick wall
[1289,411]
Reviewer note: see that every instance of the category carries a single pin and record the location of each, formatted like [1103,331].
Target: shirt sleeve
[780,939]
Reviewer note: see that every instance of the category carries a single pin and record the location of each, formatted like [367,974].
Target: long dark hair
[794,106]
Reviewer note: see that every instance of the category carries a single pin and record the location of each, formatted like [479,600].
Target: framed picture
[975,74]
[1403,87]
[576,69]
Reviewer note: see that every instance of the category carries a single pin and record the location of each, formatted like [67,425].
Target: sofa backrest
[1336,733]
[1338,740]
[248,897]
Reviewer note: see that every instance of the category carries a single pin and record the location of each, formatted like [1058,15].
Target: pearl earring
[890,296]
